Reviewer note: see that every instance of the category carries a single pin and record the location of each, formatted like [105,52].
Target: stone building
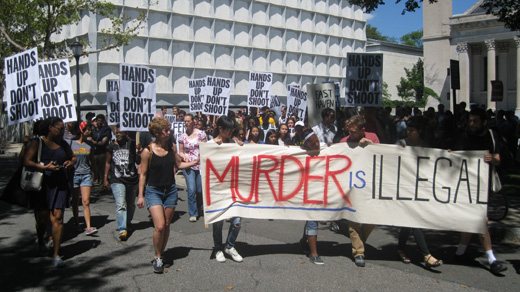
[485,49]
[299,41]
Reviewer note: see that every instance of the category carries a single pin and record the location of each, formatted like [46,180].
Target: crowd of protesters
[77,156]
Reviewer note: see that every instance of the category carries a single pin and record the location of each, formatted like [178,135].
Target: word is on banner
[259,93]
[57,98]
[22,87]
[364,83]
[196,92]
[137,96]
[378,184]
[113,102]
[217,95]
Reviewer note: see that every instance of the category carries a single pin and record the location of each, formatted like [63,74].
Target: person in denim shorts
[82,176]
[157,185]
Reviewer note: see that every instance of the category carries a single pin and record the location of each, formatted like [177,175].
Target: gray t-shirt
[82,152]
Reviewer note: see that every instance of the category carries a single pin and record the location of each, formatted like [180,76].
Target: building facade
[485,49]
[299,41]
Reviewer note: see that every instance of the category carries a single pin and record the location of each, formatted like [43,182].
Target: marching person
[189,142]
[54,196]
[82,176]
[224,134]
[157,185]
[121,176]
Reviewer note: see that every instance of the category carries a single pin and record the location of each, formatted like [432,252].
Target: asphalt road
[273,259]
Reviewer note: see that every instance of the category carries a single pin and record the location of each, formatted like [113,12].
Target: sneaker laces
[158,262]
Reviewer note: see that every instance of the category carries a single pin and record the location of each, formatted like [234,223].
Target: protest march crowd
[76,156]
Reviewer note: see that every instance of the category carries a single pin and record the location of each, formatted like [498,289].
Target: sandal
[431,262]
[402,256]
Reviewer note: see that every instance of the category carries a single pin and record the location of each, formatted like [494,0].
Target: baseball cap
[299,123]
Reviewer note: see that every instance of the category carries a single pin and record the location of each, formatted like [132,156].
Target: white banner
[296,102]
[364,84]
[137,95]
[22,87]
[217,96]
[320,96]
[196,92]
[113,117]
[259,93]
[178,128]
[57,98]
[378,184]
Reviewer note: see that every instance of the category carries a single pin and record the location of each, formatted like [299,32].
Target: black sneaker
[497,267]
[158,266]
[360,261]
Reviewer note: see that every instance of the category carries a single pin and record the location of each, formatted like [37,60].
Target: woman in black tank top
[157,185]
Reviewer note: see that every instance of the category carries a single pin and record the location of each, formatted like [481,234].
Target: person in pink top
[359,232]
[189,151]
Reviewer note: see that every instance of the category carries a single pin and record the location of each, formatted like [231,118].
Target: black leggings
[419,238]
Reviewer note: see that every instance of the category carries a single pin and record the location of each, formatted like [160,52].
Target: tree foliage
[412,87]
[413,39]
[507,11]
[373,33]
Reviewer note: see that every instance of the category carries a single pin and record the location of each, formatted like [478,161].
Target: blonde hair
[157,125]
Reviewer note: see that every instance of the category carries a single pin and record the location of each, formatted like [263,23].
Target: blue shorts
[82,180]
[164,196]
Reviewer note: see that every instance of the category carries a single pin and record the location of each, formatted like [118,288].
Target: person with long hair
[291,123]
[415,130]
[284,137]
[254,136]
[271,137]
[189,142]
[82,182]
[50,202]
[157,185]
[224,134]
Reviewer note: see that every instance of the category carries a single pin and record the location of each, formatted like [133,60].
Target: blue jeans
[311,228]
[234,229]
[194,185]
[125,203]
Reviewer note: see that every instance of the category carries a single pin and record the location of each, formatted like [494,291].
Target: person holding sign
[54,196]
[189,151]
[157,185]
[224,134]
[359,232]
[326,130]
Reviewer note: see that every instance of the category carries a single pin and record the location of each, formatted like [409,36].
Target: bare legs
[161,219]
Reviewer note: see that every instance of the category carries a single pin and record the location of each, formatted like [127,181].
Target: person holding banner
[309,240]
[224,134]
[415,130]
[189,151]
[479,137]
[359,232]
[255,137]
[54,196]
[271,137]
[157,185]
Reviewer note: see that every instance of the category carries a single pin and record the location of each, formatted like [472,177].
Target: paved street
[273,259]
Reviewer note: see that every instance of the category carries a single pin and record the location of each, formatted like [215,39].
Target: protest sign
[171,118]
[137,96]
[296,102]
[276,105]
[178,128]
[319,96]
[259,94]
[22,87]
[196,92]
[217,96]
[113,102]
[378,184]
[57,96]
[364,84]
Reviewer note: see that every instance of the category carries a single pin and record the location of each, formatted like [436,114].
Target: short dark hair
[101,116]
[224,122]
[326,112]
[480,112]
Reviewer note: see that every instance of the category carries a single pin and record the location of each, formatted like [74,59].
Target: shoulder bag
[32,180]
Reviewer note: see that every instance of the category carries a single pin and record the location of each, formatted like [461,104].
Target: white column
[464,91]
[490,44]
[517,43]
[503,49]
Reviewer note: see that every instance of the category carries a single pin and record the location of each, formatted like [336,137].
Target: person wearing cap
[298,129]
[359,232]
[82,182]
[101,136]
[326,130]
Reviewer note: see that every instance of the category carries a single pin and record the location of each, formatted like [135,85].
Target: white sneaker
[219,256]
[234,254]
